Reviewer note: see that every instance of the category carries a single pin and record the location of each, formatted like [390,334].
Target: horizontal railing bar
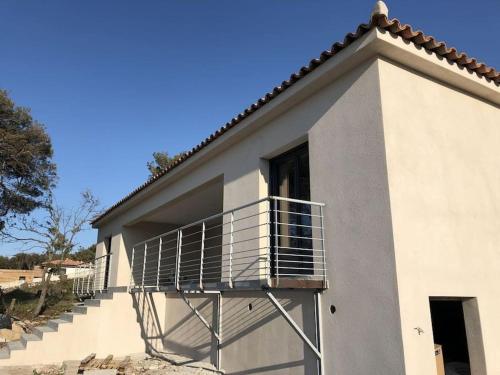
[310,277]
[296,225]
[300,255]
[297,213]
[303,238]
[273,197]
[300,248]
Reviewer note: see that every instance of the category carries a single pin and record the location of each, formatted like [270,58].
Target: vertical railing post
[178,258]
[268,249]
[97,277]
[323,252]
[131,270]
[231,241]
[202,253]
[276,241]
[75,280]
[144,263]
[159,261]
[88,278]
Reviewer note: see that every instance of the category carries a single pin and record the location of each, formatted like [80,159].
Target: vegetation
[55,233]
[27,172]
[27,261]
[161,160]
[59,299]
[85,254]
[22,261]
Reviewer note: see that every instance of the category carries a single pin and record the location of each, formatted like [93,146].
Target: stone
[5,322]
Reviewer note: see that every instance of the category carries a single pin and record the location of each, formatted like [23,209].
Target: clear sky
[114,81]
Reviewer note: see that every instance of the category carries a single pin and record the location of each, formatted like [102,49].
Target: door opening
[448,326]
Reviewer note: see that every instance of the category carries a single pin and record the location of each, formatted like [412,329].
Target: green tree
[161,160]
[85,254]
[27,172]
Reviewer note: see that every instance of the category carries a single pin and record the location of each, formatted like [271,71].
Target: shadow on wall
[149,321]
[255,338]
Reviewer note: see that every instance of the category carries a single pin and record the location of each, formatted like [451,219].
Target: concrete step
[16,345]
[40,330]
[69,316]
[93,302]
[5,352]
[103,295]
[54,323]
[26,337]
[79,309]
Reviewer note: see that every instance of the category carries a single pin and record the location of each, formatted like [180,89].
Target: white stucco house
[345,223]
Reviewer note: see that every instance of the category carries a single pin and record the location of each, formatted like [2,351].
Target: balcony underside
[251,285]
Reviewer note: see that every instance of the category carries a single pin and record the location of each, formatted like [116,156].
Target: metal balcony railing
[92,277]
[273,242]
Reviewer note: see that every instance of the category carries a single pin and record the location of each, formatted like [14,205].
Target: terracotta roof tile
[378,20]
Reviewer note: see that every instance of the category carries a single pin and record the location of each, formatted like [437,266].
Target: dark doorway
[107,263]
[289,178]
[448,326]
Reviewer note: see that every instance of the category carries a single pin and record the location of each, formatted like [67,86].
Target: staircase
[96,326]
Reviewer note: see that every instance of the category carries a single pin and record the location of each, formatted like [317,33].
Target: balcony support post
[219,334]
[319,329]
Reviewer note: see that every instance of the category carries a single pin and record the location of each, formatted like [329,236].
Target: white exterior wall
[408,169]
[347,173]
[443,157]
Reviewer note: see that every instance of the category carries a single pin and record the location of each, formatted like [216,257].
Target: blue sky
[114,81]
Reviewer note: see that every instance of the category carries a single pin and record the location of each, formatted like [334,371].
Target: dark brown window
[289,178]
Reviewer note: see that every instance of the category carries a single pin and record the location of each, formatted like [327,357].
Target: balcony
[92,277]
[271,243]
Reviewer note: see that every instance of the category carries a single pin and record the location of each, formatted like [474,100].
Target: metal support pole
[219,338]
[268,255]
[294,325]
[131,270]
[158,269]
[319,330]
[231,241]
[144,263]
[178,258]
[202,253]
[276,243]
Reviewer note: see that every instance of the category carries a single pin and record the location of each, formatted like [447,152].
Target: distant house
[13,277]
[68,267]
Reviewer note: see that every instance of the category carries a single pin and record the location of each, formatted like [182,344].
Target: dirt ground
[139,365]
